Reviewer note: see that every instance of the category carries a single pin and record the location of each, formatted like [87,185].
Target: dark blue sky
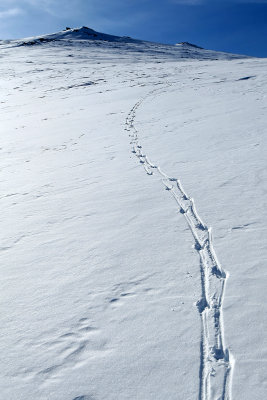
[238,26]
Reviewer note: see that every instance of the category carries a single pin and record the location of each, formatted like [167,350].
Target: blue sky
[238,26]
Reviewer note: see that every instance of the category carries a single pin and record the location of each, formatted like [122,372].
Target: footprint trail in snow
[216,362]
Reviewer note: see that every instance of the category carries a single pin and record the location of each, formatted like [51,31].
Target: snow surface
[101,275]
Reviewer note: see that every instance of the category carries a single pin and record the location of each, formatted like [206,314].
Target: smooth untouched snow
[104,286]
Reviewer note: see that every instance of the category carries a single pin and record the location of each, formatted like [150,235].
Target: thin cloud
[56,8]
[47,6]
[11,12]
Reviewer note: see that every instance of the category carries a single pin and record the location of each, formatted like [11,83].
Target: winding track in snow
[216,362]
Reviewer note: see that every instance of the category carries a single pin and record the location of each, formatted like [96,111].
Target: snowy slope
[106,286]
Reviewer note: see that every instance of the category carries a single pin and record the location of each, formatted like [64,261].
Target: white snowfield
[117,158]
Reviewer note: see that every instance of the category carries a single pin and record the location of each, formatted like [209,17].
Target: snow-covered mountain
[117,156]
[86,37]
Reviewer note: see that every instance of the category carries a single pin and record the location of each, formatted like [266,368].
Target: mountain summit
[82,33]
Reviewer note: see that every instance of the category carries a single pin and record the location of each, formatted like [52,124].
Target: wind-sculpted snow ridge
[216,362]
